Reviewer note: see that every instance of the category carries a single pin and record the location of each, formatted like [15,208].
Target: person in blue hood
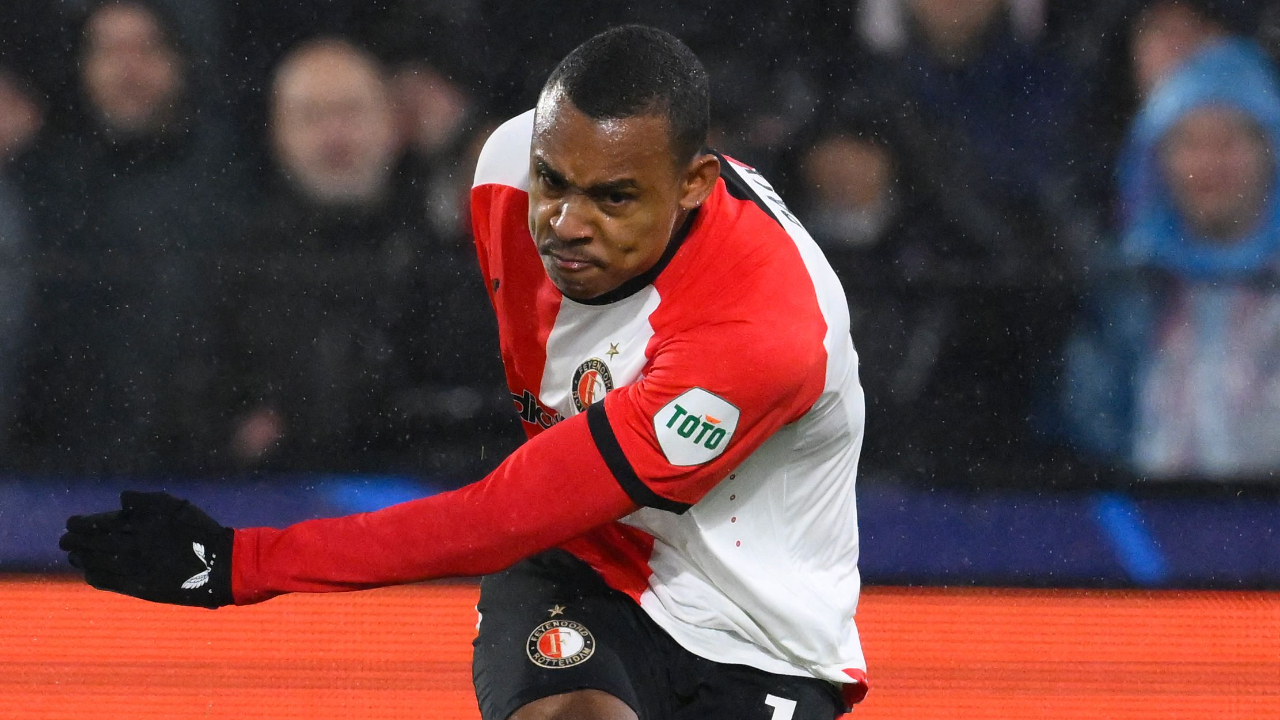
[1180,374]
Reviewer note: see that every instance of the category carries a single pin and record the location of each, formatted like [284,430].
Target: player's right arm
[636,448]
[555,487]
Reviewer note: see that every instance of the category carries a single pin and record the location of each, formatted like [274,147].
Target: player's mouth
[570,262]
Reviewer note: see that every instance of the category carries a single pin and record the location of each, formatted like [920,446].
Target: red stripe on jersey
[499,211]
[619,553]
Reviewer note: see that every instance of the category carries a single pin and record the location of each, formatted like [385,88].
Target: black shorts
[550,625]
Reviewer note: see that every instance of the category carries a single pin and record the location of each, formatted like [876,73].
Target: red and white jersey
[721,389]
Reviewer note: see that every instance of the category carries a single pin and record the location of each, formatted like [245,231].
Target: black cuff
[616,461]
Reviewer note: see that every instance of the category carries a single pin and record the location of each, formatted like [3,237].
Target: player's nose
[571,219]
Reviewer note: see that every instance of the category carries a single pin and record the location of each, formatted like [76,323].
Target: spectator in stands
[891,255]
[984,119]
[1126,49]
[21,117]
[989,116]
[435,116]
[1163,36]
[1179,374]
[127,205]
[353,340]
[36,44]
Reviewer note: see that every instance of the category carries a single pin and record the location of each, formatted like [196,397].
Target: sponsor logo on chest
[533,412]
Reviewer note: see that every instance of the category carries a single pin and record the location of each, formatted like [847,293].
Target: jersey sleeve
[710,398]
[550,490]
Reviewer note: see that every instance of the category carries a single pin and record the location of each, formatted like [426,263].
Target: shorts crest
[560,644]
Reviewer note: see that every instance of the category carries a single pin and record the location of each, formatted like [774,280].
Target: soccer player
[678,537]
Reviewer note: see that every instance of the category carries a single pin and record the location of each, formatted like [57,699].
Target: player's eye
[550,182]
[615,199]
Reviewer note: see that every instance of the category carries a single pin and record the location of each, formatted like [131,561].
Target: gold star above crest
[557,610]
[613,350]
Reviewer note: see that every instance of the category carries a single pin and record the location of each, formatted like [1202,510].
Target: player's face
[606,196]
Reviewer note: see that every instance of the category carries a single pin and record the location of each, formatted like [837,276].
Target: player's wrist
[245,584]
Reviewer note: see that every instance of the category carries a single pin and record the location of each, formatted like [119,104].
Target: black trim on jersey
[646,278]
[740,189]
[611,451]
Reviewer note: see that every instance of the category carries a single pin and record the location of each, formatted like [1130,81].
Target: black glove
[156,547]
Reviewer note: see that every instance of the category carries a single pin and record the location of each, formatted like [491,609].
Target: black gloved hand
[156,547]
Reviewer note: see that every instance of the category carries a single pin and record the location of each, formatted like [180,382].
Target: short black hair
[637,70]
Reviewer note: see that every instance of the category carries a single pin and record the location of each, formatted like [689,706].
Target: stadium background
[1015,566]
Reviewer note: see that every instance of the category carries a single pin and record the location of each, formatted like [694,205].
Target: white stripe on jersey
[583,332]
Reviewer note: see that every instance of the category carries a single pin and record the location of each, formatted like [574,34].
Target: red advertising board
[67,651]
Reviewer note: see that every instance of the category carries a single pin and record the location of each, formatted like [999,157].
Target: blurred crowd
[234,236]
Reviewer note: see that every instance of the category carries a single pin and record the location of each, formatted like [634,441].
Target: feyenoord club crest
[560,644]
[590,382]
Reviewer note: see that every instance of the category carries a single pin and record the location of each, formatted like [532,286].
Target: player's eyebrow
[613,186]
[601,188]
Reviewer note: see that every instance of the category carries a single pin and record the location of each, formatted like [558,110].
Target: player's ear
[700,177]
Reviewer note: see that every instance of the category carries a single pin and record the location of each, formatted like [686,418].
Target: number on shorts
[783,709]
